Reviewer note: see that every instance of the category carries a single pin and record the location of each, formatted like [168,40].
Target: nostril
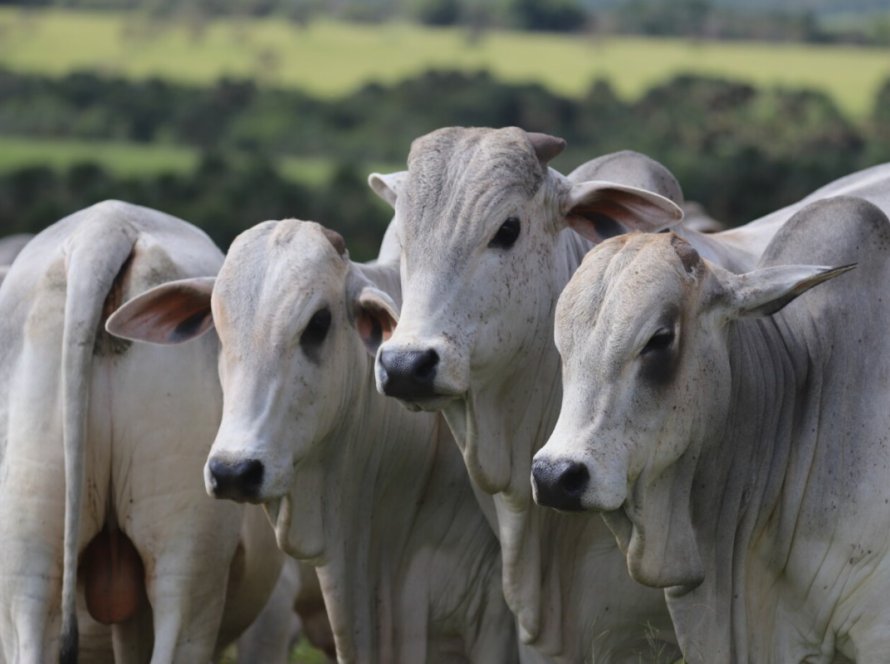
[251,473]
[238,481]
[573,479]
[426,364]
[560,483]
[408,374]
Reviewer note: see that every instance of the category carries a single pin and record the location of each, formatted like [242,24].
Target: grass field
[329,58]
[140,159]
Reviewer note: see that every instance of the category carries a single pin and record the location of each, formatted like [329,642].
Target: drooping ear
[376,316]
[388,185]
[546,147]
[167,314]
[764,292]
[598,209]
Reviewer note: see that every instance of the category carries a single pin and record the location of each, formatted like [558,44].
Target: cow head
[479,216]
[292,313]
[642,329]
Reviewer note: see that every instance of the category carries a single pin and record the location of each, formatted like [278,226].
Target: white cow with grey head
[736,438]
[102,445]
[485,250]
[373,495]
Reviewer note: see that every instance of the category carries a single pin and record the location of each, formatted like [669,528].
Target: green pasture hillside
[330,58]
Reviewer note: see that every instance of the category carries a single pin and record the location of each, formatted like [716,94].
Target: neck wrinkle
[740,501]
[537,581]
[363,537]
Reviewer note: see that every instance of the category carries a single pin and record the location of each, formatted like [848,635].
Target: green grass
[330,58]
[145,159]
[122,158]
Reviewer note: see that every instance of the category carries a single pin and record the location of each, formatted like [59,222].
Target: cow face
[642,329]
[479,216]
[291,314]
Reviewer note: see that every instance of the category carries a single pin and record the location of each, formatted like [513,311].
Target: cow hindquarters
[186,540]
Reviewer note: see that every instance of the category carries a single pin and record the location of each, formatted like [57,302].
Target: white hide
[742,459]
[374,496]
[134,423]
[486,310]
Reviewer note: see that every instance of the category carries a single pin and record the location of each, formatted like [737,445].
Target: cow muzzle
[235,480]
[409,375]
[560,484]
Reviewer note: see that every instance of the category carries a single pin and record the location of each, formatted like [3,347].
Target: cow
[485,251]
[732,430]
[102,445]
[374,496]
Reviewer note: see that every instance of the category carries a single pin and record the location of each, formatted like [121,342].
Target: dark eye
[506,235]
[661,340]
[316,329]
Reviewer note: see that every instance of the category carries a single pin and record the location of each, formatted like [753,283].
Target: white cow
[485,251]
[375,496]
[102,444]
[738,446]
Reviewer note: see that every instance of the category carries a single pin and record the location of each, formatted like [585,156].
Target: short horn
[546,147]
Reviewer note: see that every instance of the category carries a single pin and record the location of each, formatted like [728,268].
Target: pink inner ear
[174,316]
[374,325]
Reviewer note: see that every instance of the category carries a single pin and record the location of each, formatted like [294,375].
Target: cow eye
[661,340]
[317,328]
[506,235]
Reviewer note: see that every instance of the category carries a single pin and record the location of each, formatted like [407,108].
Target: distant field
[139,159]
[329,58]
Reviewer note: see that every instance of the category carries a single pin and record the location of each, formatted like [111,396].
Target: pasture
[128,159]
[329,58]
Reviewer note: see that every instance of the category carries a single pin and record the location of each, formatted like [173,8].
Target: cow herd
[534,429]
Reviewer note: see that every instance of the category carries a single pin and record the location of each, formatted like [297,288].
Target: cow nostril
[237,481]
[574,478]
[426,364]
[560,484]
[408,374]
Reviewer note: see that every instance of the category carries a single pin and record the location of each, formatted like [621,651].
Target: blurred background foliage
[137,99]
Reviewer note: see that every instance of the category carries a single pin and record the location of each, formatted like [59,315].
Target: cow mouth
[429,404]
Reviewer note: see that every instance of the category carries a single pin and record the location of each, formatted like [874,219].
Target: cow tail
[95,255]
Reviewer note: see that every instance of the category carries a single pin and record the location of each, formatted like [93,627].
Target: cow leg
[132,639]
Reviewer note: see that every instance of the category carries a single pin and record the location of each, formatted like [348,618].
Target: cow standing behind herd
[730,426]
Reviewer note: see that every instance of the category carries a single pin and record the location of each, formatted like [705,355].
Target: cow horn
[335,239]
[546,147]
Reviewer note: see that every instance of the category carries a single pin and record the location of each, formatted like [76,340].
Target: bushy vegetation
[741,150]
[786,20]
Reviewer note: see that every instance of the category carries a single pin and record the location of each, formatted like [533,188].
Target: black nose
[560,484]
[408,374]
[236,481]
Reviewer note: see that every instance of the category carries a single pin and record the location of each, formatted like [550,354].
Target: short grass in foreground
[302,654]
[331,58]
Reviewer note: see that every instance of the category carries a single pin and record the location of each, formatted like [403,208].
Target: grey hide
[743,459]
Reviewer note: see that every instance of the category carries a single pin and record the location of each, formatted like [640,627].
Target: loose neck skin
[746,492]
[376,467]
[552,560]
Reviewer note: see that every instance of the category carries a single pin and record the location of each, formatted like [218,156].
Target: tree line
[740,150]
[790,20]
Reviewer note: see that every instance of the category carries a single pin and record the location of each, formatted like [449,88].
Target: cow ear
[764,292]
[388,185]
[598,209]
[376,316]
[167,314]
[4,269]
